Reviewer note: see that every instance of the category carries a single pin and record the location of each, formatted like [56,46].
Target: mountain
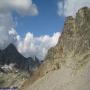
[67,65]
[11,55]
[15,68]
[34,64]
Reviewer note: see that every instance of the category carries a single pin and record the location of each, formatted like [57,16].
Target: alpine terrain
[15,68]
[67,65]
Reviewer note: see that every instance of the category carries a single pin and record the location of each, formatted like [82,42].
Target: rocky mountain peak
[73,47]
[11,46]
[15,68]
[10,55]
[83,13]
[11,49]
[83,17]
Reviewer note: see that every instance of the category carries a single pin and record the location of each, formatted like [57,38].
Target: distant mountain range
[15,68]
[10,55]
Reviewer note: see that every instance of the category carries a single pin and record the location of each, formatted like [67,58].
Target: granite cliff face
[70,58]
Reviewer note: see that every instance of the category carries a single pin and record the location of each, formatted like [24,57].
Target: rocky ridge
[74,41]
[15,68]
[71,56]
[10,55]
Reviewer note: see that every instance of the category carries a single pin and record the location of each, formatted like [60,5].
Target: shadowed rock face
[71,52]
[11,55]
[15,68]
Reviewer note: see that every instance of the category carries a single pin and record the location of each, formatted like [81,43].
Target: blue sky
[46,22]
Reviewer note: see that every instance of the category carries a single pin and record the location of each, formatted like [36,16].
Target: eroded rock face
[71,52]
[74,41]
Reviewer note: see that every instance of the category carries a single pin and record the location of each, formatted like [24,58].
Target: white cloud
[37,46]
[25,7]
[5,25]
[70,7]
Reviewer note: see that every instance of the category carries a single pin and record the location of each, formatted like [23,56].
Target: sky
[34,26]
[46,22]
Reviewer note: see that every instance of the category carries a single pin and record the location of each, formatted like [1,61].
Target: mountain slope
[64,79]
[66,66]
[15,68]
